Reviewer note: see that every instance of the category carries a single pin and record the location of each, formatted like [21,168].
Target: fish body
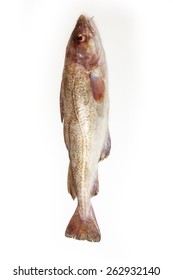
[84,105]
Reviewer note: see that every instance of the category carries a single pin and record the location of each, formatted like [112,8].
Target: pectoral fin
[97,86]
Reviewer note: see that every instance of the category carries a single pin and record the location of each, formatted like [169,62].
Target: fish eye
[81,38]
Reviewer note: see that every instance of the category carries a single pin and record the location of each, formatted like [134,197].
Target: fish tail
[83,229]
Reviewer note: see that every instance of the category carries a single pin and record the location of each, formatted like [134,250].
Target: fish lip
[81,17]
[86,23]
[82,20]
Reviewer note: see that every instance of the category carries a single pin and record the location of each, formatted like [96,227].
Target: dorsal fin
[62,101]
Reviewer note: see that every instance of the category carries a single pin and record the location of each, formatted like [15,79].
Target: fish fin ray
[106,147]
[83,229]
[71,183]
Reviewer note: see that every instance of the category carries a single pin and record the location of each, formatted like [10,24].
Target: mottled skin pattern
[84,110]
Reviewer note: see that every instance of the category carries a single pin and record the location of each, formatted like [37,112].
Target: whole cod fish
[84,106]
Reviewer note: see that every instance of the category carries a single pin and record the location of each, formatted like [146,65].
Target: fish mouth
[82,20]
[85,23]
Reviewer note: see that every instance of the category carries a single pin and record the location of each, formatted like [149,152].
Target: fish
[84,108]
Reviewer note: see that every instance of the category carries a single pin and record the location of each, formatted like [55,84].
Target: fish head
[84,47]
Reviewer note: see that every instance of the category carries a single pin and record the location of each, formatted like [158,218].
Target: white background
[134,206]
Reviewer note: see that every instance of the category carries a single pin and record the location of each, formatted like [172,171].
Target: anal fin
[71,183]
[95,186]
[106,147]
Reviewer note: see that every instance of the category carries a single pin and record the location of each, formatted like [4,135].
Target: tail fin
[83,229]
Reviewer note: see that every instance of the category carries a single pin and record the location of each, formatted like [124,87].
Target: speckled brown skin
[84,110]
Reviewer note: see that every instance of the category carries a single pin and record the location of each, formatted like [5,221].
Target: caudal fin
[83,229]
